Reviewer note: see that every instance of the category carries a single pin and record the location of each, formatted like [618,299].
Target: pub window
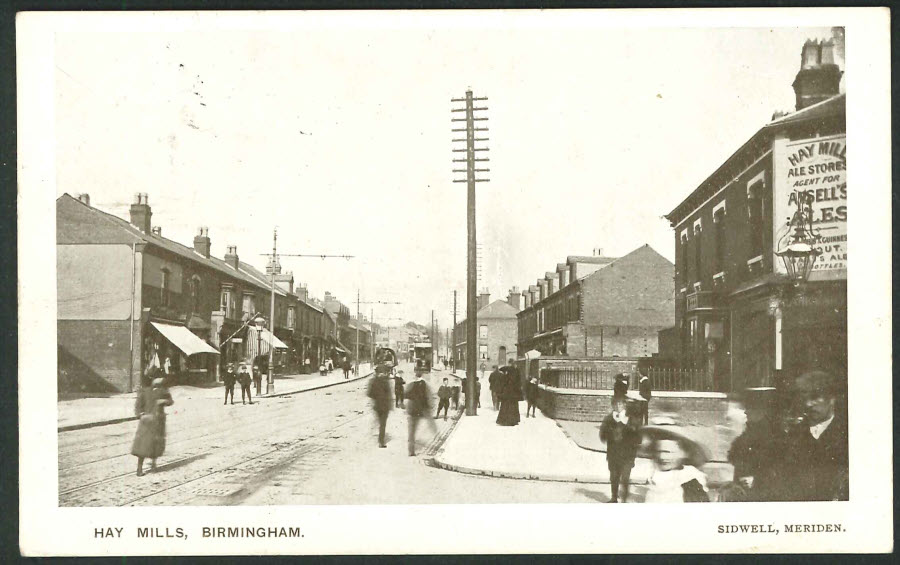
[164,287]
[756,212]
[698,253]
[719,221]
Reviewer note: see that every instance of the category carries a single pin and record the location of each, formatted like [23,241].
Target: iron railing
[593,378]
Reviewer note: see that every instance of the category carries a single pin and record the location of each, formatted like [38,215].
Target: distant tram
[422,355]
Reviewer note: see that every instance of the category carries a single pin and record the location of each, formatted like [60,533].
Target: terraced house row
[129,298]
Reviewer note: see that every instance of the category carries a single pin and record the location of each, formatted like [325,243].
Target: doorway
[501,356]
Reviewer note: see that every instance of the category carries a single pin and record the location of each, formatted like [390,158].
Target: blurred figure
[150,437]
[676,458]
[455,395]
[398,389]
[620,432]
[510,394]
[346,367]
[646,391]
[755,453]
[418,406]
[531,393]
[380,393]
[494,384]
[816,465]
[444,393]
[620,387]
[229,378]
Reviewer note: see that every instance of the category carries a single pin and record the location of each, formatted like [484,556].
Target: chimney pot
[85,198]
[157,231]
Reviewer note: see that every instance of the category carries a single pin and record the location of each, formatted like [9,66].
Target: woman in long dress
[150,438]
[510,394]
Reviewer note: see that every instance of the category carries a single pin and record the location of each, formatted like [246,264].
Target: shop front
[178,352]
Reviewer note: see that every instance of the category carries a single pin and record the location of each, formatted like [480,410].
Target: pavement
[87,412]
[539,448]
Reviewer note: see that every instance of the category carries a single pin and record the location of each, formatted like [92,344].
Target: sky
[339,135]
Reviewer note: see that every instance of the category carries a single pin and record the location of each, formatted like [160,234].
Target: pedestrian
[398,390]
[380,393]
[244,380]
[494,384]
[329,364]
[307,366]
[676,458]
[816,464]
[346,368]
[477,392]
[619,431]
[323,370]
[455,395]
[150,437]
[418,406]
[755,453]
[646,391]
[229,378]
[257,373]
[531,394]
[444,394]
[510,395]
[620,386]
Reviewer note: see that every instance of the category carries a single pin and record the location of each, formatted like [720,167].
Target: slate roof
[76,222]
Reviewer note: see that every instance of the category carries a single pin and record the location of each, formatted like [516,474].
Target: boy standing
[622,440]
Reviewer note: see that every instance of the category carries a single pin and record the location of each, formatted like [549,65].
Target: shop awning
[260,341]
[183,339]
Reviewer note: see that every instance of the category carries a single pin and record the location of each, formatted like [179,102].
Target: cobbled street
[316,447]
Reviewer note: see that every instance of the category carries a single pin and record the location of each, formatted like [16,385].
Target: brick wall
[595,406]
[93,355]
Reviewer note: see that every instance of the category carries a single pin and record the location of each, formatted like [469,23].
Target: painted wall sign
[818,168]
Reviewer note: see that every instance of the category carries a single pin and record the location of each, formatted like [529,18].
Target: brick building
[126,296]
[599,306]
[737,314]
[497,332]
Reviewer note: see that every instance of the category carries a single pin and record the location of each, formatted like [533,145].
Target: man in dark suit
[816,461]
[646,391]
[494,384]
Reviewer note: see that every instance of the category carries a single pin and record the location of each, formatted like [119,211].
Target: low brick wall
[593,405]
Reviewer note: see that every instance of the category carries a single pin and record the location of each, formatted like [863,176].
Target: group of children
[675,477]
[243,377]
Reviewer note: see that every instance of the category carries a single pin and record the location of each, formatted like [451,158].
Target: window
[482,332]
[756,211]
[195,294]
[164,288]
[719,222]
[698,252]
[225,302]
[483,351]
[683,248]
[248,305]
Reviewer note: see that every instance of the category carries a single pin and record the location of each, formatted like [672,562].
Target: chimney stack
[598,252]
[231,257]
[514,298]
[140,212]
[303,292]
[201,241]
[484,298]
[819,77]
[85,198]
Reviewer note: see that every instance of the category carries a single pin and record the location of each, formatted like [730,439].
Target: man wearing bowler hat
[816,461]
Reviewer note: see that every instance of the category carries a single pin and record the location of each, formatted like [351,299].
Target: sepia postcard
[366,282]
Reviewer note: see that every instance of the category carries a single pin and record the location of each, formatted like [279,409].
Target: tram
[422,355]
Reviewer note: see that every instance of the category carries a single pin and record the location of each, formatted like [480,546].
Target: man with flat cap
[816,459]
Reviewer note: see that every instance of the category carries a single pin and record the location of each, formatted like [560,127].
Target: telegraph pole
[357,332]
[472,265]
[453,338]
[270,381]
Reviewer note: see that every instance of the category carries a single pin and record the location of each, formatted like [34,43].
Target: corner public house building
[737,314]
